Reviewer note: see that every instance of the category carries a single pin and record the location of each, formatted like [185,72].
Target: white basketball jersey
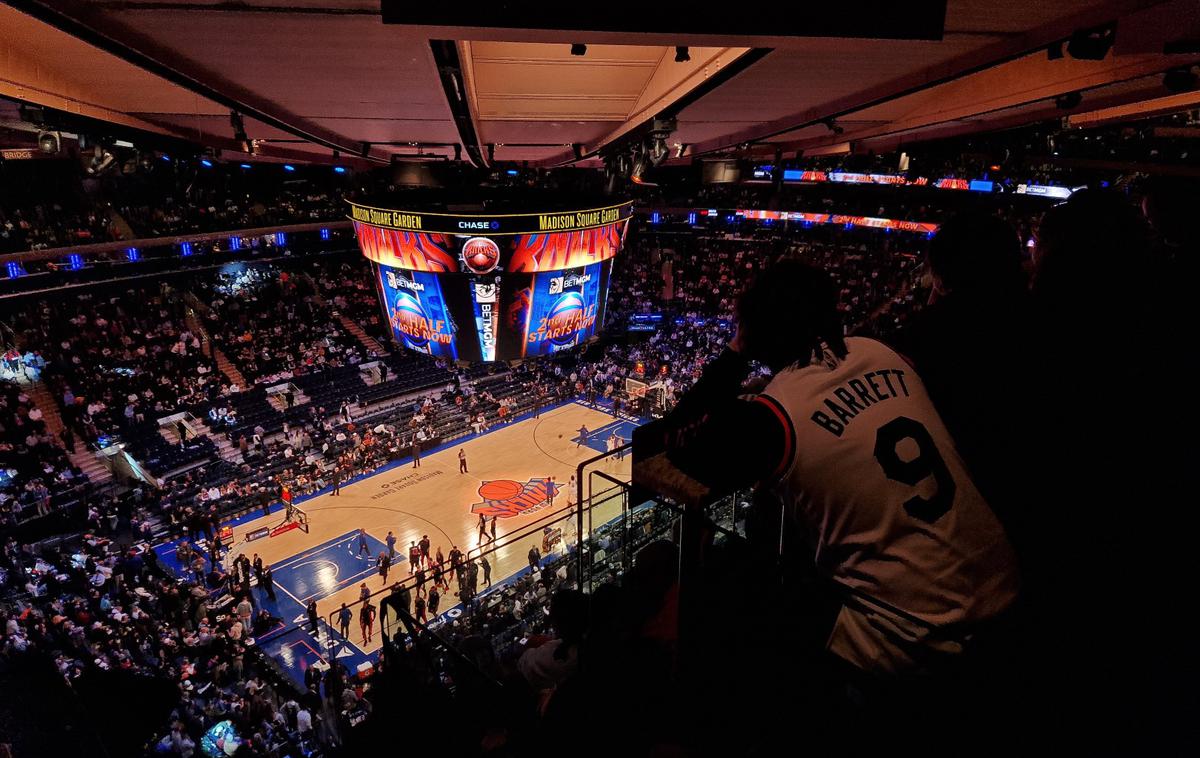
[875,481]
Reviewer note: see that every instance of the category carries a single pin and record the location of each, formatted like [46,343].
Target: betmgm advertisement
[494,318]
[418,313]
[554,311]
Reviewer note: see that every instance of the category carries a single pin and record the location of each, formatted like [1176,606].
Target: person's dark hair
[569,616]
[788,313]
[977,252]
[1091,252]
[1170,205]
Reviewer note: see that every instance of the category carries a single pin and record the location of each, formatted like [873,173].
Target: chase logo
[478,225]
[506,498]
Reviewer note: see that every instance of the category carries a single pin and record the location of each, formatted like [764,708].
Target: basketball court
[509,468]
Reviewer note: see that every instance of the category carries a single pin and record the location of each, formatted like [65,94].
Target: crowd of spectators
[35,472]
[99,604]
[271,325]
[119,360]
[348,286]
[211,210]
[44,225]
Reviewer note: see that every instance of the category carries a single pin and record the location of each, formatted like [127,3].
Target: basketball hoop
[635,389]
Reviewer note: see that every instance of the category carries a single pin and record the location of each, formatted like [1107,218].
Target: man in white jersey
[847,436]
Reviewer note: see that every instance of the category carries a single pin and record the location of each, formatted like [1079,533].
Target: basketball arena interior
[515,379]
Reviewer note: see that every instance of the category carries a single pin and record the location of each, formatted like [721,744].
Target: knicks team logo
[480,255]
[506,498]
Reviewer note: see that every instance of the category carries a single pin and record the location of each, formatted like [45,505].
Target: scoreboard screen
[502,288]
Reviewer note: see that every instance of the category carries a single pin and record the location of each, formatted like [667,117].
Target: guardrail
[120,246]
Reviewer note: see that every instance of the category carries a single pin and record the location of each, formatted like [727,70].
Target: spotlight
[246,166]
[658,151]
[637,163]
[206,163]
[288,167]
[1176,80]
[1068,101]
[1092,44]
[49,142]
[339,169]
[681,54]
[579,49]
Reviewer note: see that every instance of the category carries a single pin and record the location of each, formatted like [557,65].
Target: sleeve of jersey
[739,444]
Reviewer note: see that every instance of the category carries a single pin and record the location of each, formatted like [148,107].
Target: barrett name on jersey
[874,479]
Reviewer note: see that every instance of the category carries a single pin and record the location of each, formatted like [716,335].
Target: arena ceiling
[315,76]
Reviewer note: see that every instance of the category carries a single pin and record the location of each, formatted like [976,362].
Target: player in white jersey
[847,436]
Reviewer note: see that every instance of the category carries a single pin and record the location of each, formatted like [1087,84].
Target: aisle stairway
[122,226]
[224,365]
[366,340]
[225,449]
[92,465]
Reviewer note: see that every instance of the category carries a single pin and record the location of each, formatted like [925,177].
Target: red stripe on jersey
[789,433]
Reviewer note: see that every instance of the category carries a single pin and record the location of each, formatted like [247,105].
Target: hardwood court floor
[433,499]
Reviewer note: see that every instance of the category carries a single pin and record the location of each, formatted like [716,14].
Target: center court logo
[506,498]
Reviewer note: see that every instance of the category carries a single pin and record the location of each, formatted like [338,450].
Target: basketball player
[414,557]
[550,491]
[363,547]
[847,436]
[482,528]
[366,620]
[462,461]
[583,435]
[424,545]
[385,563]
[435,599]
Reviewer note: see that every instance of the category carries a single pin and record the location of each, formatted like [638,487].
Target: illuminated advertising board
[490,288]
